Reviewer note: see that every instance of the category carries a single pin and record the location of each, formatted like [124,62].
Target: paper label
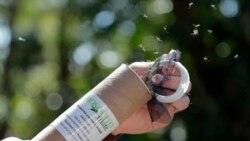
[89,119]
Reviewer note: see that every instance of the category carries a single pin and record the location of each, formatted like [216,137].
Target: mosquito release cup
[182,88]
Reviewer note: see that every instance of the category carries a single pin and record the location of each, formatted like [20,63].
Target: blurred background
[54,51]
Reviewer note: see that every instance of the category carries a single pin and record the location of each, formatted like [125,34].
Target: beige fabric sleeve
[122,91]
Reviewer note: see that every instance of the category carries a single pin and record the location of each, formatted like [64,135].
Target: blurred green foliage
[54,51]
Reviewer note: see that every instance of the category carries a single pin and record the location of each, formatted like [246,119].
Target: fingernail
[157,78]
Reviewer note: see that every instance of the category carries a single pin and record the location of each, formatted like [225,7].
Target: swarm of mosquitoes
[195,32]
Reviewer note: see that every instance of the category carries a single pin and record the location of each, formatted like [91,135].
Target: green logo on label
[103,118]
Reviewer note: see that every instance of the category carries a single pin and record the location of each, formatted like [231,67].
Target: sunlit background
[54,51]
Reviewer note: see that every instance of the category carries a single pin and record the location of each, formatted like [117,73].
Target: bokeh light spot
[223,50]
[5,2]
[162,6]
[119,4]
[104,19]
[54,101]
[109,59]
[178,133]
[5,36]
[229,8]
[84,53]
[127,28]
[24,108]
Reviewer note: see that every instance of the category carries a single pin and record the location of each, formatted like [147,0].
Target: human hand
[140,121]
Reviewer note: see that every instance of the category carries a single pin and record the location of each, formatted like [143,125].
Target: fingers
[160,79]
[170,68]
[163,91]
[171,82]
[172,108]
[144,66]
[179,105]
[141,68]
